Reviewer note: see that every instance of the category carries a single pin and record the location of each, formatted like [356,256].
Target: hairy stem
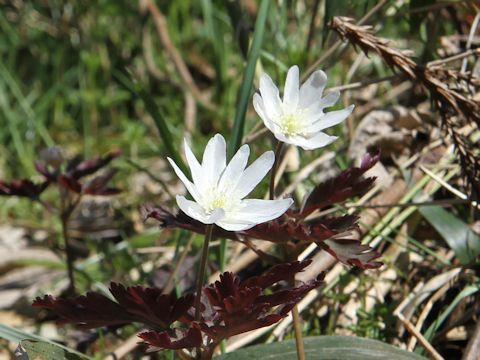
[201,270]
[278,150]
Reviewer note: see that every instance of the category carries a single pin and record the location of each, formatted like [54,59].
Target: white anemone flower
[299,119]
[218,189]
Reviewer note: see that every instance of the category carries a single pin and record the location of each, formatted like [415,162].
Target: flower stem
[298,333]
[68,251]
[64,216]
[297,324]
[201,271]
[278,150]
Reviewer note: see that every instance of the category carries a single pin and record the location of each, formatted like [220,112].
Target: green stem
[297,321]
[298,333]
[64,216]
[222,262]
[201,271]
[278,150]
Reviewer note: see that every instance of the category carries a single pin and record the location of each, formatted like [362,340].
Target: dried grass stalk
[443,85]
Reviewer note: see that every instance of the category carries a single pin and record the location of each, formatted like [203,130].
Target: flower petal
[317,141]
[232,225]
[190,187]
[270,96]
[312,89]
[254,174]
[330,119]
[234,170]
[330,99]
[214,159]
[196,212]
[315,110]
[195,168]
[291,91]
[259,107]
[260,211]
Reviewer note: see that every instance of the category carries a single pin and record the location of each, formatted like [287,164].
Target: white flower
[219,190]
[299,119]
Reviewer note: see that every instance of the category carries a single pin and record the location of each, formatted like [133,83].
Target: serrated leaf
[325,348]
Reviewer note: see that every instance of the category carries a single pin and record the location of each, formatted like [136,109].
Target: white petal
[234,170]
[270,96]
[254,174]
[319,140]
[291,91]
[196,212]
[282,138]
[260,109]
[315,110]
[330,99]
[330,119]
[214,159]
[190,187]
[195,167]
[232,225]
[312,89]
[259,211]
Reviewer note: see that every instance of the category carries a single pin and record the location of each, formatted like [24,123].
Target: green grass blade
[461,239]
[25,105]
[216,39]
[154,111]
[467,291]
[12,120]
[246,88]
[240,24]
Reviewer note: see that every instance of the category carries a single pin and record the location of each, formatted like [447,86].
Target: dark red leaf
[43,169]
[22,187]
[278,230]
[135,304]
[70,183]
[99,185]
[183,339]
[285,230]
[150,306]
[291,295]
[242,306]
[352,252]
[88,311]
[349,183]
[91,166]
[277,273]
[230,307]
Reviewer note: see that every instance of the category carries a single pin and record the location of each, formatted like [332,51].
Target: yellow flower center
[219,202]
[292,124]
[215,201]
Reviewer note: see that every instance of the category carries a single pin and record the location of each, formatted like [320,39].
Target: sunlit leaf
[325,348]
[461,239]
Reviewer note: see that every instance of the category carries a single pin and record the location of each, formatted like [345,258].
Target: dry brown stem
[451,103]
[162,30]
